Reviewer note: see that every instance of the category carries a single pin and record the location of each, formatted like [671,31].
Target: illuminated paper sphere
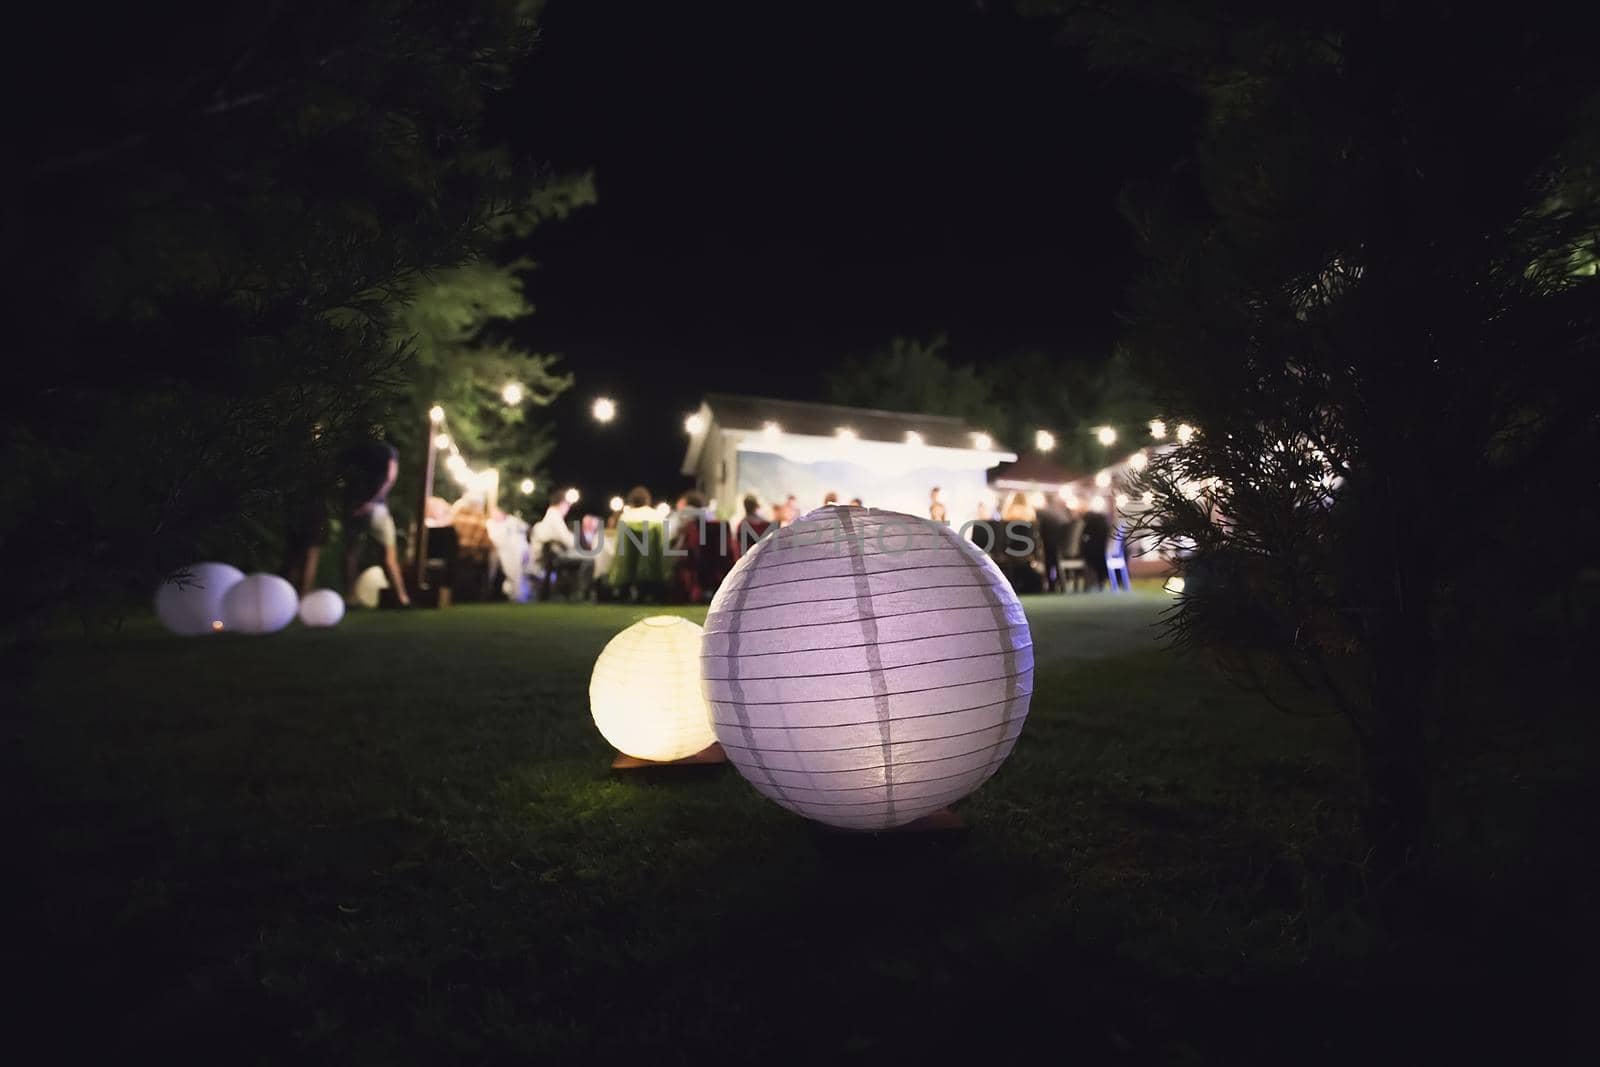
[370,584]
[321,607]
[259,604]
[645,690]
[865,668]
[193,605]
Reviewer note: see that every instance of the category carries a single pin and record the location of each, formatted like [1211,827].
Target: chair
[640,567]
[549,575]
[1025,573]
[705,562]
[713,558]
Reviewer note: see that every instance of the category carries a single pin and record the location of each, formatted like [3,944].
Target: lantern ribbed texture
[260,604]
[865,668]
[645,690]
[194,607]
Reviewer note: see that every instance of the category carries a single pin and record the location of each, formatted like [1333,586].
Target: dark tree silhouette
[220,214]
[1373,291]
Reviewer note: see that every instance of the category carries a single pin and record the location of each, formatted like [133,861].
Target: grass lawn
[399,841]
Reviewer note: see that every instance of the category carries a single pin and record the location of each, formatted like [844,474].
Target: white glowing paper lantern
[370,584]
[321,607]
[259,604]
[865,668]
[645,690]
[192,605]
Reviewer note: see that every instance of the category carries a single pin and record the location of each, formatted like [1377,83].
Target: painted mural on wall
[772,478]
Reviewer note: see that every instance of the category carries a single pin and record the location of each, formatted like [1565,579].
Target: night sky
[779,195]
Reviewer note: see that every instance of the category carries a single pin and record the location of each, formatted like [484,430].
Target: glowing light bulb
[571,496]
[1185,433]
[1097,503]
[1158,429]
[616,503]
[436,413]
[845,433]
[526,486]
[913,437]
[1106,436]
[982,442]
[604,409]
[694,423]
[771,430]
[1102,479]
[441,441]
[1122,500]
[1174,584]
[511,393]
[1138,461]
[1044,440]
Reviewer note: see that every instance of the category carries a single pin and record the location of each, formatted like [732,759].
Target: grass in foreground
[399,841]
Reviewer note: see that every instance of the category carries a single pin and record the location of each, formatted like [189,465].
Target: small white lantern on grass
[866,668]
[370,585]
[259,604]
[645,691]
[189,603]
[321,607]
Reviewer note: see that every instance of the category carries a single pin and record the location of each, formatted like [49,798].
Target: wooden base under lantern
[710,756]
[943,821]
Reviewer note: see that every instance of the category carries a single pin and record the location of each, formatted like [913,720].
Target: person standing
[306,534]
[1053,522]
[937,512]
[691,511]
[371,468]
[1096,532]
[752,527]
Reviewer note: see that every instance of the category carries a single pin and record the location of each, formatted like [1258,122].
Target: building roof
[1033,471]
[752,413]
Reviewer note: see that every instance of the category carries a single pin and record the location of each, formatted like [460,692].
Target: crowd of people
[1040,542]
[671,553]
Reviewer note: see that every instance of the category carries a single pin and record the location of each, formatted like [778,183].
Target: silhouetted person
[752,527]
[371,468]
[637,507]
[1096,532]
[1053,522]
[306,534]
[555,546]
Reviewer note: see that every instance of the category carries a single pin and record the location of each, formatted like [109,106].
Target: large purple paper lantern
[865,668]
